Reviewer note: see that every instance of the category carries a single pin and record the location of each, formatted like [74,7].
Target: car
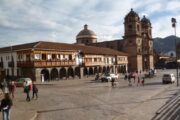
[168,78]
[21,82]
[108,77]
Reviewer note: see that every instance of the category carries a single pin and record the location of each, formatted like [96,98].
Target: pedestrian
[35,91]
[97,77]
[129,80]
[5,86]
[112,82]
[126,76]
[27,91]
[143,80]
[138,82]
[5,107]
[12,88]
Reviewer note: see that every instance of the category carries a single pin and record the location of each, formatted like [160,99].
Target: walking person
[5,86]
[112,82]
[138,82]
[27,91]
[143,79]
[5,107]
[12,88]
[35,91]
[129,80]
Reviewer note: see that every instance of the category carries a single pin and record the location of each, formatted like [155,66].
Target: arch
[96,70]
[45,74]
[104,69]
[91,72]
[70,72]
[62,73]
[108,69]
[85,71]
[124,69]
[77,71]
[100,69]
[54,74]
[119,69]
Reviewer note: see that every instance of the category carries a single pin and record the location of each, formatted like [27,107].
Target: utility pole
[173,20]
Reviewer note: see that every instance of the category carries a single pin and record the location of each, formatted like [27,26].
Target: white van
[168,78]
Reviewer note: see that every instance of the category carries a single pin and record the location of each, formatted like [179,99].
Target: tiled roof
[18,47]
[43,45]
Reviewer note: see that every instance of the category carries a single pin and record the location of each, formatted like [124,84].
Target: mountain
[166,44]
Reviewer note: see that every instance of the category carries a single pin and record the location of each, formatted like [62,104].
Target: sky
[25,21]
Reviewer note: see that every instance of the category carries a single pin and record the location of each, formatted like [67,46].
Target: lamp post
[173,21]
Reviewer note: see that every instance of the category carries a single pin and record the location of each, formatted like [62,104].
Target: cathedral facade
[137,42]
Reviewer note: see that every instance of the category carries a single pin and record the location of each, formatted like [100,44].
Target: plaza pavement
[23,110]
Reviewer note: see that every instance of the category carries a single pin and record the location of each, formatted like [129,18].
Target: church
[137,41]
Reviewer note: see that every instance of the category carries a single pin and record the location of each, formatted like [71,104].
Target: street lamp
[173,21]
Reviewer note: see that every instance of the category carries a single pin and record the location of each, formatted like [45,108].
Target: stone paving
[86,99]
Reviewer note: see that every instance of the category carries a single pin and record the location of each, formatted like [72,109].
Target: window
[53,56]
[95,59]
[138,28]
[49,57]
[37,56]
[70,57]
[130,27]
[43,56]
[28,57]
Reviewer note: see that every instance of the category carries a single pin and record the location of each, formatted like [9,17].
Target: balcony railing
[45,63]
[94,63]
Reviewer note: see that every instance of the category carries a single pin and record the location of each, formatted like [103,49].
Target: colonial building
[43,61]
[137,42]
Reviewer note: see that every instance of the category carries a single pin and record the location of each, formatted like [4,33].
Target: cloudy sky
[24,21]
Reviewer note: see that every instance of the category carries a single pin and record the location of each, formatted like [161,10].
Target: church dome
[86,33]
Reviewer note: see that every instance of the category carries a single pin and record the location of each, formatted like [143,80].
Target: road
[99,101]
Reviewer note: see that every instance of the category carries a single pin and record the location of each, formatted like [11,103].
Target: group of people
[8,89]
[28,88]
[139,78]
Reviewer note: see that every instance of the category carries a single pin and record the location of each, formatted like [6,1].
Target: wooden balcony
[93,63]
[122,62]
[45,63]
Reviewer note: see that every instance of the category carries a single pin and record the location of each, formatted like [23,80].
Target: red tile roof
[43,45]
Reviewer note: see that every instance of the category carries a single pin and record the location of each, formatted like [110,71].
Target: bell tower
[147,44]
[133,41]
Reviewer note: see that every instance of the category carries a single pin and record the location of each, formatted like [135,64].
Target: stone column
[38,75]
[81,72]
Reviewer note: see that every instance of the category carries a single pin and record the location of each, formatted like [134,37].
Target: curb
[34,117]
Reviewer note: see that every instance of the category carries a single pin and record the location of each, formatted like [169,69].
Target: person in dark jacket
[35,91]
[27,91]
[112,82]
[6,104]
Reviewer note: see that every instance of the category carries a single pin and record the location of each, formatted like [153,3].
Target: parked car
[21,82]
[168,78]
[108,77]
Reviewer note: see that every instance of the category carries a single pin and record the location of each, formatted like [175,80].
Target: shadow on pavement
[170,110]
[154,83]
